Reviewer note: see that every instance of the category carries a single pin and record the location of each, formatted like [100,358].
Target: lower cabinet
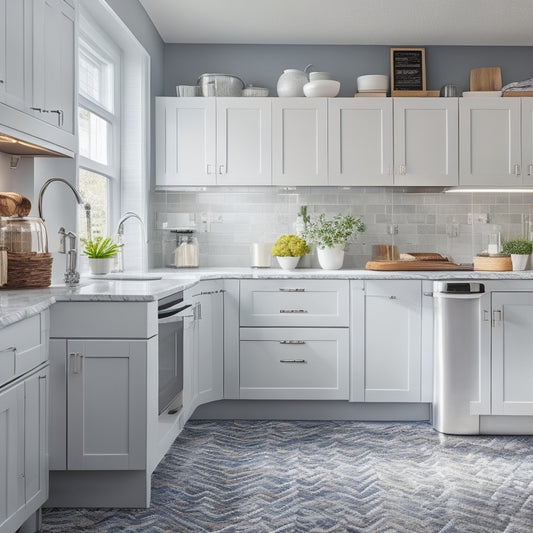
[23,448]
[386,341]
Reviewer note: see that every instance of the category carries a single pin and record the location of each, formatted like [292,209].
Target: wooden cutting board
[486,79]
[414,265]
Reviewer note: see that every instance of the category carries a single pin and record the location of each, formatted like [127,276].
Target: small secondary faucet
[119,259]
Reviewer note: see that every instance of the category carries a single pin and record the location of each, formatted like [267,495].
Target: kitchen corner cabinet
[360,141]
[490,141]
[426,141]
[299,141]
[512,358]
[386,341]
[213,141]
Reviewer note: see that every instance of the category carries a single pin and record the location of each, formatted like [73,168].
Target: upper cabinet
[360,141]
[490,143]
[208,141]
[426,141]
[299,141]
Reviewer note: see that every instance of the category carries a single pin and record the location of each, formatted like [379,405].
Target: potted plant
[519,249]
[288,249]
[101,252]
[330,237]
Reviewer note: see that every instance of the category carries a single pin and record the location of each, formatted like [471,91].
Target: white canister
[260,254]
[291,82]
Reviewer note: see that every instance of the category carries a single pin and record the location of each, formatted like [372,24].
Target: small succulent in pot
[290,246]
[519,246]
[100,247]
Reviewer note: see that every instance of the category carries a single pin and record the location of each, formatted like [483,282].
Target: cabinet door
[425,141]
[107,399]
[299,141]
[36,438]
[490,151]
[512,357]
[15,54]
[12,496]
[386,340]
[360,141]
[527,141]
[54,60]
[191,349]
[243,141]
[185,141]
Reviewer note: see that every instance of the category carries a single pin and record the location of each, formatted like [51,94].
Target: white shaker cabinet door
[360,141]
[527,140]
[425,141]
[243,141]
[107,403]
[299,141]
[185,141]
[512,356]
[490,143]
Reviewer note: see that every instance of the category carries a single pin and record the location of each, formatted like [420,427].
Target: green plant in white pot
[288,249]
[519,249]
[330,237]
[101,252]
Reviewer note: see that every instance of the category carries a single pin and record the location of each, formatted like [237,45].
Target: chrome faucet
[119,258]
[72,276]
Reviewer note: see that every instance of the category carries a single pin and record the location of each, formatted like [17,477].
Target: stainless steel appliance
[457,353]
[171,311]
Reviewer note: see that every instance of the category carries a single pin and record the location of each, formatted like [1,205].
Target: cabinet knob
[1,81]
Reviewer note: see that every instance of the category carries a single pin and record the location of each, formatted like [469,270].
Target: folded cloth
[12,203]
[519,89]
[526,85]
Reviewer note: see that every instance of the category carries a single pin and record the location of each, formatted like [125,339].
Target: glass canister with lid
[186,253]
[23,235]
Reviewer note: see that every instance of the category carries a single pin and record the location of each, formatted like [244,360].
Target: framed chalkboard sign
[408,69]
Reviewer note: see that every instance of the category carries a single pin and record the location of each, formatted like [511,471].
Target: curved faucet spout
[124,217]
[119,258]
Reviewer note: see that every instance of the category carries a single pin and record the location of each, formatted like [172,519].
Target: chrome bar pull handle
[292,342]
[402,170]
[530,169]
[517,169]
[292,361]
[291,290]
[292,311]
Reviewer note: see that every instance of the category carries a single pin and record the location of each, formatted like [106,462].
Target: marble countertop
[17,305]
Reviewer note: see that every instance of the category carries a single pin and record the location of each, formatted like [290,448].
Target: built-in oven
[171,312]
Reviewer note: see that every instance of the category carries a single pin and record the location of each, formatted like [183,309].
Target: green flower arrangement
[518,246]
[326,233]
[290,246]
[100,247]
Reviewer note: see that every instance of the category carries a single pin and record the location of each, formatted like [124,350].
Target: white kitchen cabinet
[490,141]
[512,357]
[426,141]
[294,363]
[299,141]
[527,140]
[15,36]
[54,62]
[107,402]
[213,141]
[386,341]
[360,136]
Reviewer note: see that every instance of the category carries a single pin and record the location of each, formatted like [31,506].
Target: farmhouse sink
[131,276]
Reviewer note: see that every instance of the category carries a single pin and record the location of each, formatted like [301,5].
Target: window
[99,66]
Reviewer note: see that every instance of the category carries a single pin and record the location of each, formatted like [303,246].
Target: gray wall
[262,65]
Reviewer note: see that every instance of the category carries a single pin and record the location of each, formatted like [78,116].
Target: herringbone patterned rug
[276,476]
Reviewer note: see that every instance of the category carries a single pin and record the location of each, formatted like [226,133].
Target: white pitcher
[292,81]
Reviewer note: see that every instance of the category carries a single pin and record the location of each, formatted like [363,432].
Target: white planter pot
[101,266]
[519,261]
[331,258]
[288,263]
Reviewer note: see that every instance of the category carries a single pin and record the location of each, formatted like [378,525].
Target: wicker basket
[29,270]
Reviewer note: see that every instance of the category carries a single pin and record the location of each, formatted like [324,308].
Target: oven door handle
[168,316]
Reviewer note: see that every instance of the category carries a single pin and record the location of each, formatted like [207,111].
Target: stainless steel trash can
[457,319]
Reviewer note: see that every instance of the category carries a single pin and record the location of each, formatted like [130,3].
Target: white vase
[101,265]
[288,263]
[291,82]
[519,261]
[331,258]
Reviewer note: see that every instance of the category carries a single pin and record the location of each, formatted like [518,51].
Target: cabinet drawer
[294,363]
[294,303]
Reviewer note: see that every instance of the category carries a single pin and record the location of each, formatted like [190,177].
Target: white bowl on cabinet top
[373,82]
[324,88]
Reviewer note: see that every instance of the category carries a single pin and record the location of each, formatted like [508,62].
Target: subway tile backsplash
[229,219]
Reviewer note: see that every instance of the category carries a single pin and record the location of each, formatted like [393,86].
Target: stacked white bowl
[321,84]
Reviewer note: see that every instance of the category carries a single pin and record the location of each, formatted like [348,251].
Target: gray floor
[266,476]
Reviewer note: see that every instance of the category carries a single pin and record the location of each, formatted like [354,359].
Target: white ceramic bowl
[329,88]
[373,82]
[313,76]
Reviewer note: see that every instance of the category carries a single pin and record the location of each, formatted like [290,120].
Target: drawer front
[294,303]
[294,363]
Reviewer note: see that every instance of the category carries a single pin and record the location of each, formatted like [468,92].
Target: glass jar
[187,251]
[23,235]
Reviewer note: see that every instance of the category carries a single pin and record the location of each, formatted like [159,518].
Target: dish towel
[526,85]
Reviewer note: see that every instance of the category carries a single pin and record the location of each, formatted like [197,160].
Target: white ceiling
[385,22]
